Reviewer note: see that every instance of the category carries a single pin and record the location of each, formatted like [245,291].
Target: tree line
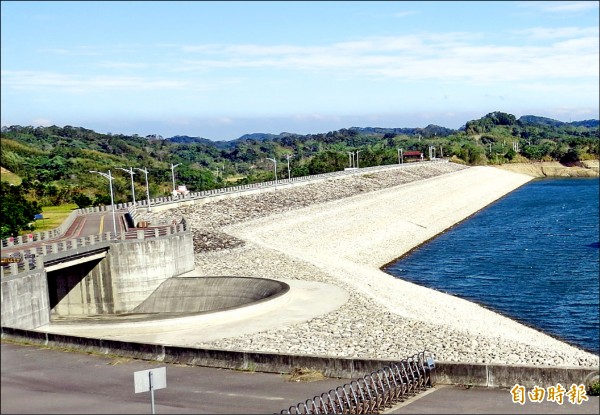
[54,162]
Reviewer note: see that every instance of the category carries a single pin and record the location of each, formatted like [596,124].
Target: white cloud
[570,6]
[431,56]
[561,6]
[559,53]
[546,33]
[44,122]
[32,80]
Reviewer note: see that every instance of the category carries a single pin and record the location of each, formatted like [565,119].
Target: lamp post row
[287,157]
[353,157]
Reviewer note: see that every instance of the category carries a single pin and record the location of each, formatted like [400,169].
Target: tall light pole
[288,157]
[147,188]
[431,152]
[400,156]
[112,199]
[130,171]
[351,157]
[173,175]
[275,168]
[357,151]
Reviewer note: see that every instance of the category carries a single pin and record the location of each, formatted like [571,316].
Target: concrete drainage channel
[374,392]
[184,296]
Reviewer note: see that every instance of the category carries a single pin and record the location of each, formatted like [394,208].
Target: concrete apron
[305,300]
[485,375]
[177,340]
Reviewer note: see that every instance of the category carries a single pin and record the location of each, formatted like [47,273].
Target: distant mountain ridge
[535,120]
[430,131]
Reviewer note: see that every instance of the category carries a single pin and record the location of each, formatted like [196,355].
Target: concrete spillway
[208,294]
[182,296]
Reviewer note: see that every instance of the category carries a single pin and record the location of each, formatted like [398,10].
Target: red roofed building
[413,154]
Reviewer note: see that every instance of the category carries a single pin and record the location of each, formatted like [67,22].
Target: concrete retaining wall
[81,289]
[24,300]
[504,376]
[131,271]
[490,375]
[142,265]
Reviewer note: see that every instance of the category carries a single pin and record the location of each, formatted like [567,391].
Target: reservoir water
[532,256]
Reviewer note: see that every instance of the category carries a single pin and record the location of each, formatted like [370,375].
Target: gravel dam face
[345,240]
[338,233]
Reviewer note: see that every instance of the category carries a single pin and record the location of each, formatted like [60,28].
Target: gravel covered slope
[341,231]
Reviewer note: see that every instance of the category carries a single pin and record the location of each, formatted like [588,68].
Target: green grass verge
[54,216]
[10,177]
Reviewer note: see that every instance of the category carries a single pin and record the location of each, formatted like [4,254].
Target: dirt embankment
[587,168]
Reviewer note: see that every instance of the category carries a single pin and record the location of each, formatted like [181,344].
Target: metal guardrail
[29,259]
[374,392]
[62,229]
[50,237]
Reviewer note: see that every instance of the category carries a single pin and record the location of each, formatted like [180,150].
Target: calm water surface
[532,256]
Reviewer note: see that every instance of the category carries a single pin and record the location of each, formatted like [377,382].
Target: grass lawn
[53,217]
[10,177]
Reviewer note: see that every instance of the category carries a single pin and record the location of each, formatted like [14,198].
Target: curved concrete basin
[183,296]
[208,294]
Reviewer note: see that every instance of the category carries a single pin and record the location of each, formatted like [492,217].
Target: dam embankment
[345,240]
[339,232]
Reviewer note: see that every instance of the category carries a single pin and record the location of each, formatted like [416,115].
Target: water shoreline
[305,240]
[341,232]
[587,168]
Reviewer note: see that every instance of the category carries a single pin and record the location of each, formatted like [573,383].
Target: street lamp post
[400,156]
[145,171]
[130,171]
[288,157]
[275,168]
[351,158]
[112,199]
[173,175]
[357,151]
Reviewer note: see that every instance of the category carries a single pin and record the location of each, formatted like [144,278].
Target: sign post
[149,380]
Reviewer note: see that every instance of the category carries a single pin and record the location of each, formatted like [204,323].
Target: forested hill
[54,162]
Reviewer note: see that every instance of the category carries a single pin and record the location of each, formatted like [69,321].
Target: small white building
[181,190]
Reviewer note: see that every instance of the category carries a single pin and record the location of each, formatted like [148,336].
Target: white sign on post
[149,380]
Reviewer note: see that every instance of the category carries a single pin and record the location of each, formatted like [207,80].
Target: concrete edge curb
[471,374]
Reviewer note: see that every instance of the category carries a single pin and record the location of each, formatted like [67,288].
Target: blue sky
[223,69]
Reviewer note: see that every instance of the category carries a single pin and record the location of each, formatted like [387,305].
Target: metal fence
[126,207]
[32,257]
[374,392]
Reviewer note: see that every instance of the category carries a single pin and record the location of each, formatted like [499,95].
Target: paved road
[40,380]
[83,225]
[95,223]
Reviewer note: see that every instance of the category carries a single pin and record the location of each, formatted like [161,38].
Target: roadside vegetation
[44,167]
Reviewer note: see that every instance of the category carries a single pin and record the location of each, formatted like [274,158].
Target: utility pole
[357,151]
[112,198]
[275,168]
[145,171]
[173,175]
[288,157]
[130,171]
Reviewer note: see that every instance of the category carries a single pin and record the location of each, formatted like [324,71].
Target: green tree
[17,212]
[82,200]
